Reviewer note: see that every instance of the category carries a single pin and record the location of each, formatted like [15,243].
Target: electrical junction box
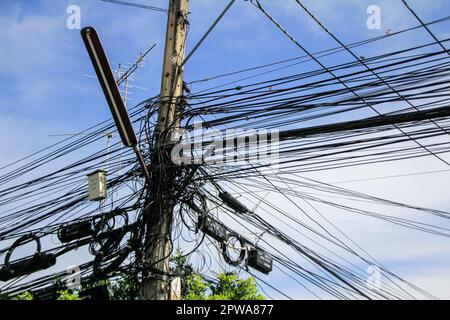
[97,185]
[260,260]
[212,228]
[75,231]
[49,293]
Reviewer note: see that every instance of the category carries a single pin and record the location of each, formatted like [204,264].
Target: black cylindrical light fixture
[109,86]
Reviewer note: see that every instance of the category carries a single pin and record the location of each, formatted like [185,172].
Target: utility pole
[156,283]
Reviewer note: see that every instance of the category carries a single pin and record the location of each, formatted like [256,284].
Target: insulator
[232,202]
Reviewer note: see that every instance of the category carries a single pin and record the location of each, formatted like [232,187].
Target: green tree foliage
[231,287]
[125,288]
[62,295]
[67,295]
[195,288]
[228,287]
[24,296]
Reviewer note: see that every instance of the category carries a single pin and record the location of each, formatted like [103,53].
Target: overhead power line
[208,32]
[426,27]
[136,5]
[302,47]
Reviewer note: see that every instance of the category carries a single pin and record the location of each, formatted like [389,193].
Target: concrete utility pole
[156,285]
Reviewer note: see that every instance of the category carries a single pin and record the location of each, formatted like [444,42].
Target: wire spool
[197,203]
[39,261]
[202,201]
[22,240]
[113,261]
[106,242]
[113,258]
[104,235]
[108,220]
[237,257]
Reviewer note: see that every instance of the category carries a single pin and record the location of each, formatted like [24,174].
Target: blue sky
[45,89]
[44,64]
